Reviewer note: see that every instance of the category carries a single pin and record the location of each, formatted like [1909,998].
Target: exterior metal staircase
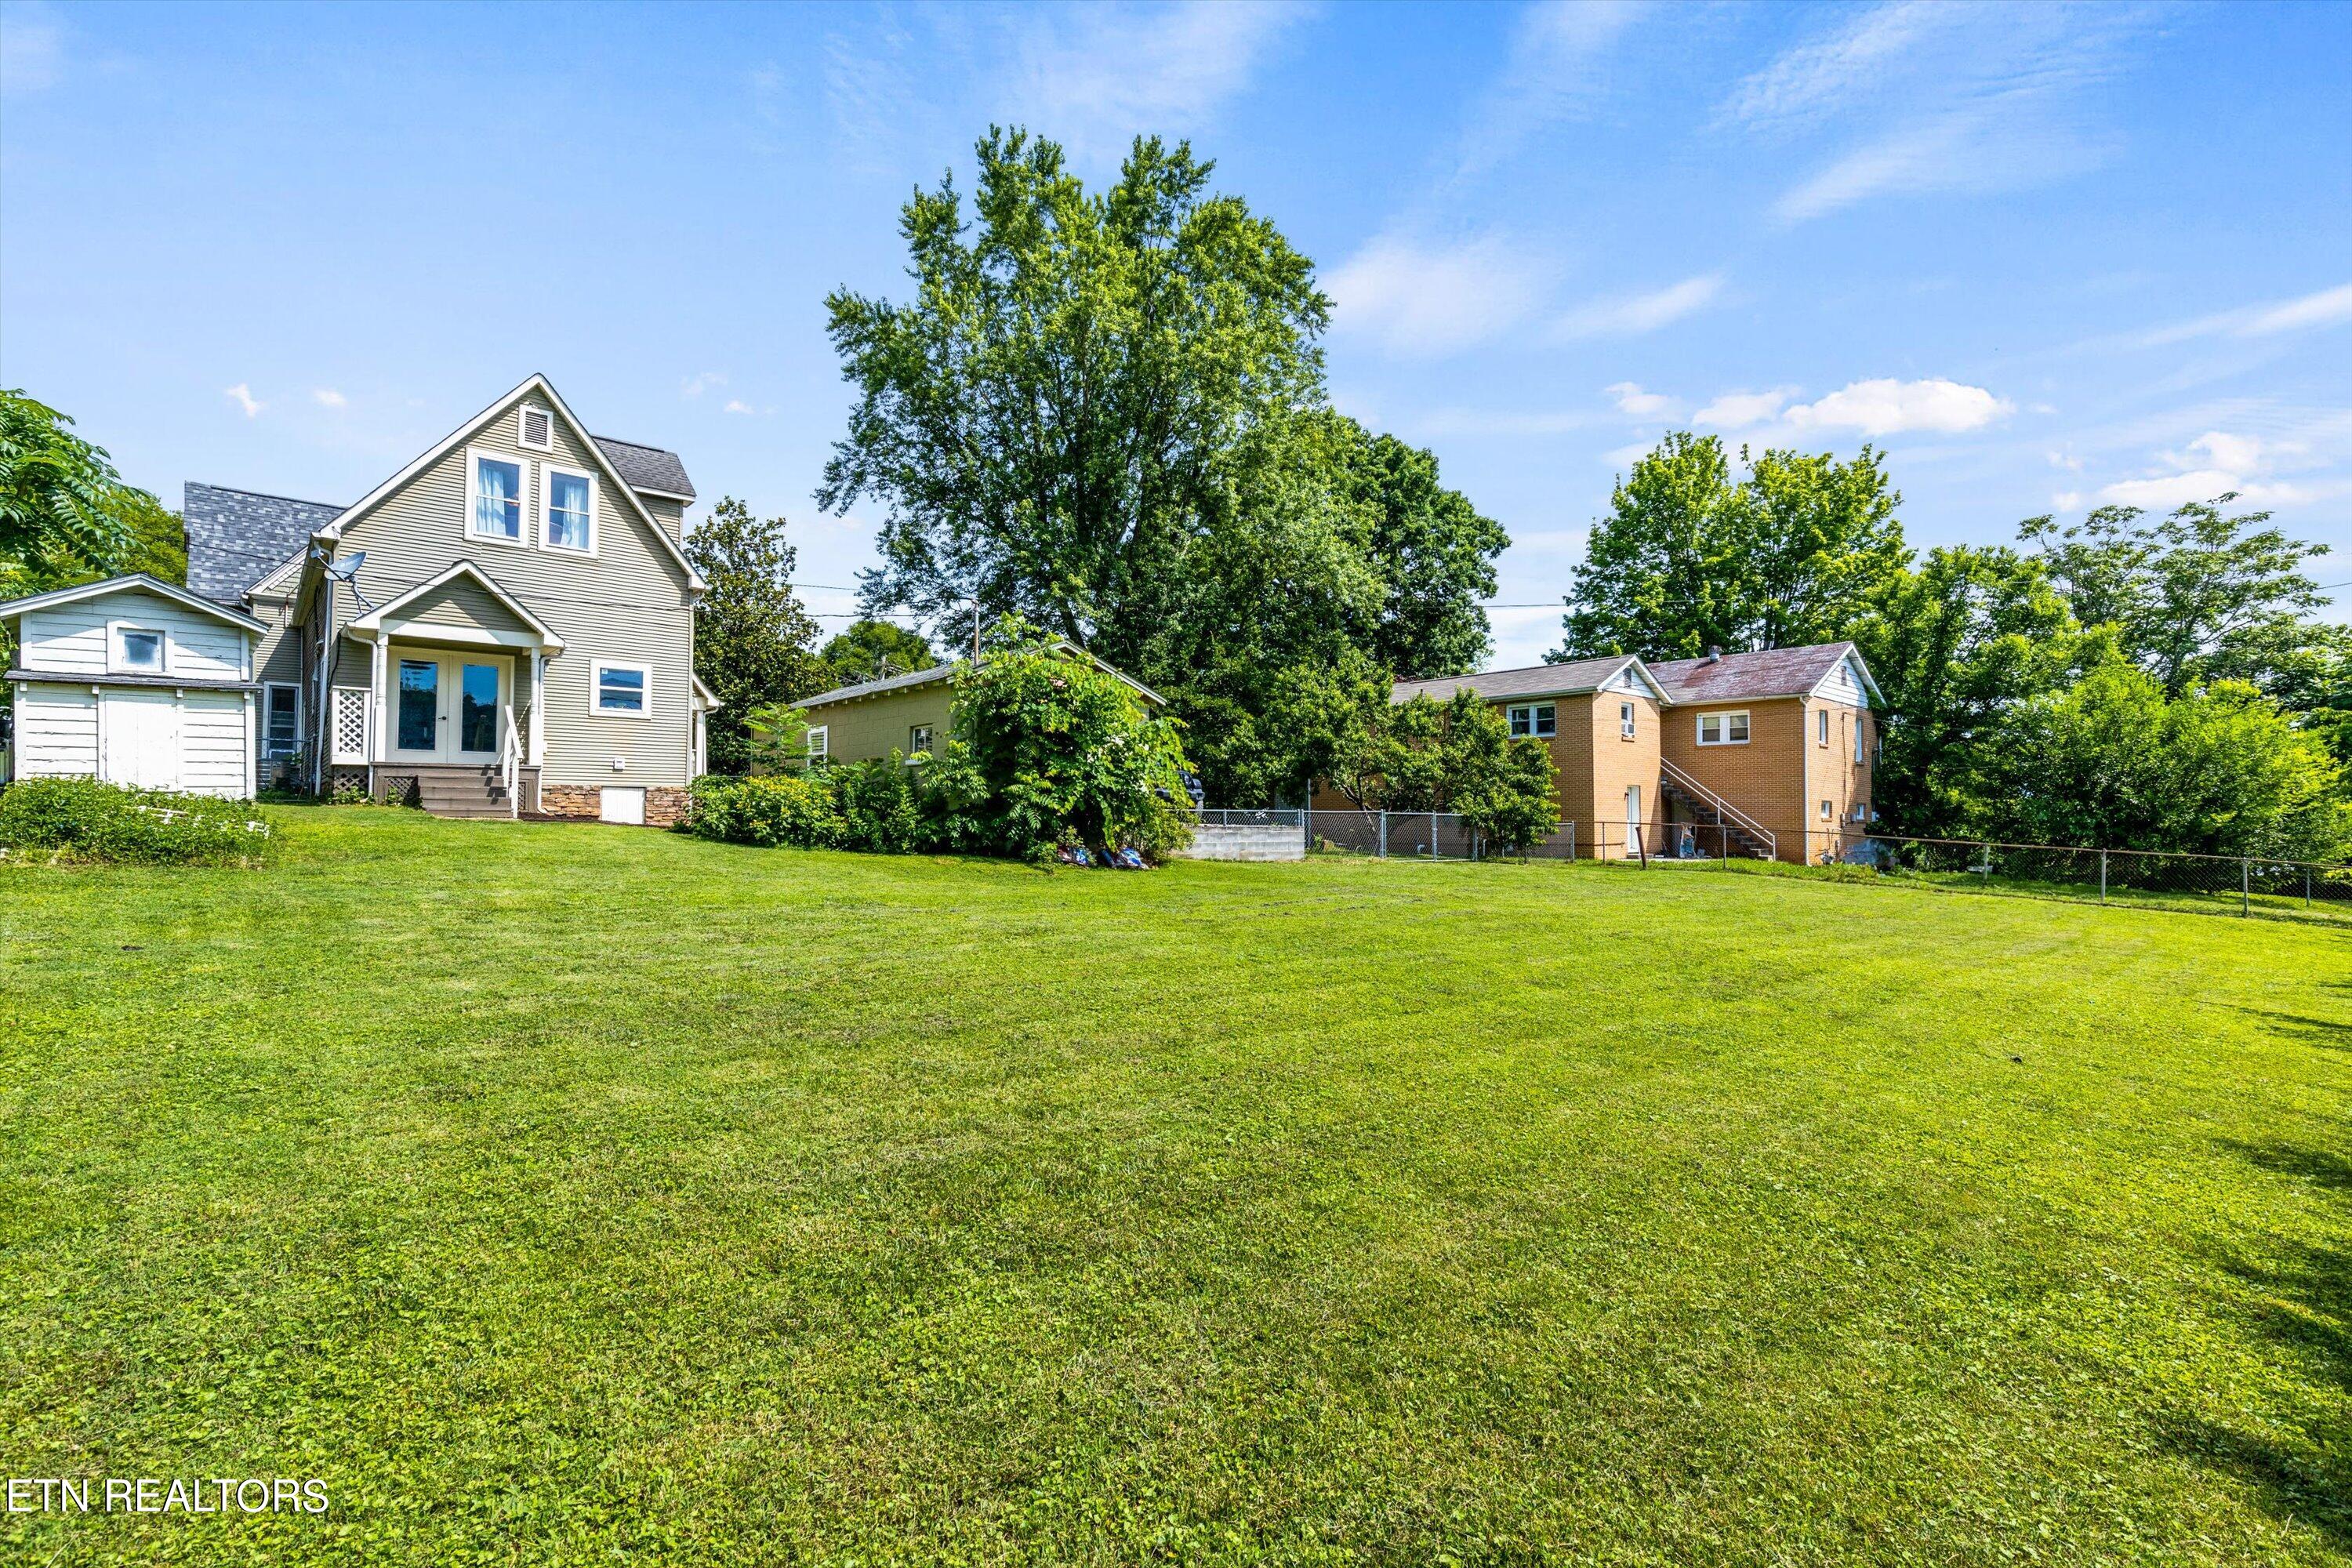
[1739,834]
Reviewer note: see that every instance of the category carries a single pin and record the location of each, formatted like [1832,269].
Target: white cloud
[1625,457]
[1941,98]
[2327,308]
[1554,73]
[32,49]
[1423,299]
[325,396]
[242,395]
[1739,410]
[2166,492]
[1888,407]
[1632,314]
[696,385]
[1632,399]
[737,406]
[1099,75]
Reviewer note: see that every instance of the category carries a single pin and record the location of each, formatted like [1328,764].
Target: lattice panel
[351,724]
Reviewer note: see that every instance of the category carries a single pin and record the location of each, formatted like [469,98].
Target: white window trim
[267,689]
[1822,726]
[521,412]
[521,541]
[820,743]
[1698,727]
[548,474]
[1534,710]
[1627,718]
[1829,811]
[114,660]
[914,751]
[596,668]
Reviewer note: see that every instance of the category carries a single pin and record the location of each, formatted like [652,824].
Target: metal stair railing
[1724,810]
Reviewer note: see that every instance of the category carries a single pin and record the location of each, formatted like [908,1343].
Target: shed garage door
[193,740]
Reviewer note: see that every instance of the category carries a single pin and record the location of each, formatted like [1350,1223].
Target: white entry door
[448,707]
[1633,816]
[142,739]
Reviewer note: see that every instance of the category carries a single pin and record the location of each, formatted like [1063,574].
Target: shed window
[820,743]
[139,649]
[1533,718]
[919,740]
[1723,729]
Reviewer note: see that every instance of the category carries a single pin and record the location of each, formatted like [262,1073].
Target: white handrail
[1723,807]
[509,758]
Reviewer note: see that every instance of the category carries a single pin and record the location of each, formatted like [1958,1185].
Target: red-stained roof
[1738,677]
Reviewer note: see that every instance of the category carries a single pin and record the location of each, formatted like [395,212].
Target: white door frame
[450,674]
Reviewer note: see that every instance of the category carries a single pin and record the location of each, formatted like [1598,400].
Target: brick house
[1765,754]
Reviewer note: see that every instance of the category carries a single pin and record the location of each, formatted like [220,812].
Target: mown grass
[587,1195]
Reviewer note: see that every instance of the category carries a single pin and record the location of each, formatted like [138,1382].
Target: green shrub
[82,819]
[763,809]
[881,805]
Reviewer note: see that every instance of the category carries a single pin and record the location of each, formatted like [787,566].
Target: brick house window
[1625,720]
[1533,718]
[1823,726]
[1829,810]
[1723,729]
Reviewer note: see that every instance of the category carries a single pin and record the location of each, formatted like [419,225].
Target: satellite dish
[342,570]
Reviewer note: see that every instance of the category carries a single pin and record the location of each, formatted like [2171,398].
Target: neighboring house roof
[943,672]
[236,538]
[647,468]
[1753,677]
[1569,679]
[139,581]
[334,531]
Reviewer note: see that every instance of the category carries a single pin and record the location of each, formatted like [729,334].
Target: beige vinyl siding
[627,602]
[277,654]
[877,726]
[463,604]
[71,639]
[57,732]
[669,513]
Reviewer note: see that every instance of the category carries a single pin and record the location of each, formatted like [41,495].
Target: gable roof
[140,580]
[334,531]
[236,538]
[943,672]
[373,619]
[1570,679]
[648,468]
[1772,672]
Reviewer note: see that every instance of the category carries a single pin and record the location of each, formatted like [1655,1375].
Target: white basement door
[626,806]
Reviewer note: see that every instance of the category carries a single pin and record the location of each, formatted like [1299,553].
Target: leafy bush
[882,805]
[82,819]
[763,809]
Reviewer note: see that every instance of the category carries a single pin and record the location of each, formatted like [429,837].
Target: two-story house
[503,627]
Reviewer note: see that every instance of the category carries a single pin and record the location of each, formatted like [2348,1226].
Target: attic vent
[537,429]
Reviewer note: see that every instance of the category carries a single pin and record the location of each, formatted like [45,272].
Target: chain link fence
[2211,884]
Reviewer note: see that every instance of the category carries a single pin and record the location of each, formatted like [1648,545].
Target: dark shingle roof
[875,688]
[1775,672]
[1537,681]
[647,468]
[236,538]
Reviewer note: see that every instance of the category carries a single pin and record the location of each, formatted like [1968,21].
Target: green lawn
[591,1195]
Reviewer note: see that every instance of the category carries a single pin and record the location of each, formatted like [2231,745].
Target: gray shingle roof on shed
[1536,681]
[236,538]
[647,468]
[1774,672]
[876,687]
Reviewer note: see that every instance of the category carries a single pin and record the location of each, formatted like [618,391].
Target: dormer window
[570,523]
[138,651]
[538,431]
[498,499]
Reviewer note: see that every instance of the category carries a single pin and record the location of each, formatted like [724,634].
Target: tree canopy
[752,639]
[871,649]
[65,516]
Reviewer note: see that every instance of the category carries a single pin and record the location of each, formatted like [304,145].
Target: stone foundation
[666,804]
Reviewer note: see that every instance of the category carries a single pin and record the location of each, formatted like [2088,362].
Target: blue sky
[2044,256]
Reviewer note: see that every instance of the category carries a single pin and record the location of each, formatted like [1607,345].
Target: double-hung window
[820,743]
[1821,728]
[498,499]
[1858,752]
[620,690]
[138,651]
[1723,729]
[918,740]
[570,523]
[280,719]
[1625,720]
[1533,718]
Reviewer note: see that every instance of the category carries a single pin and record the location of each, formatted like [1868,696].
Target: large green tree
[2198,596]
[752,639]
[872,650]
[1687,559]
[1105,411]
[65,516]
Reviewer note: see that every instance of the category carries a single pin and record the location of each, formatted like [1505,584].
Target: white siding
[212,742]
[1630,679]
[71,639]
[1842,685]
[57,732]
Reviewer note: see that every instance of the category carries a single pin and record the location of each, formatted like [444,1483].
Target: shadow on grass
[2329,1033]
[2304,1307]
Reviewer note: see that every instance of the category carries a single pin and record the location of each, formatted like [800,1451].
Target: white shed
[136,681]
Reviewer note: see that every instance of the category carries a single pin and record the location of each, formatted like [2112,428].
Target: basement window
[1533,718]
[1723,729]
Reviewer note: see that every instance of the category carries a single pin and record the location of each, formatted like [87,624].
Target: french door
[448,707]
